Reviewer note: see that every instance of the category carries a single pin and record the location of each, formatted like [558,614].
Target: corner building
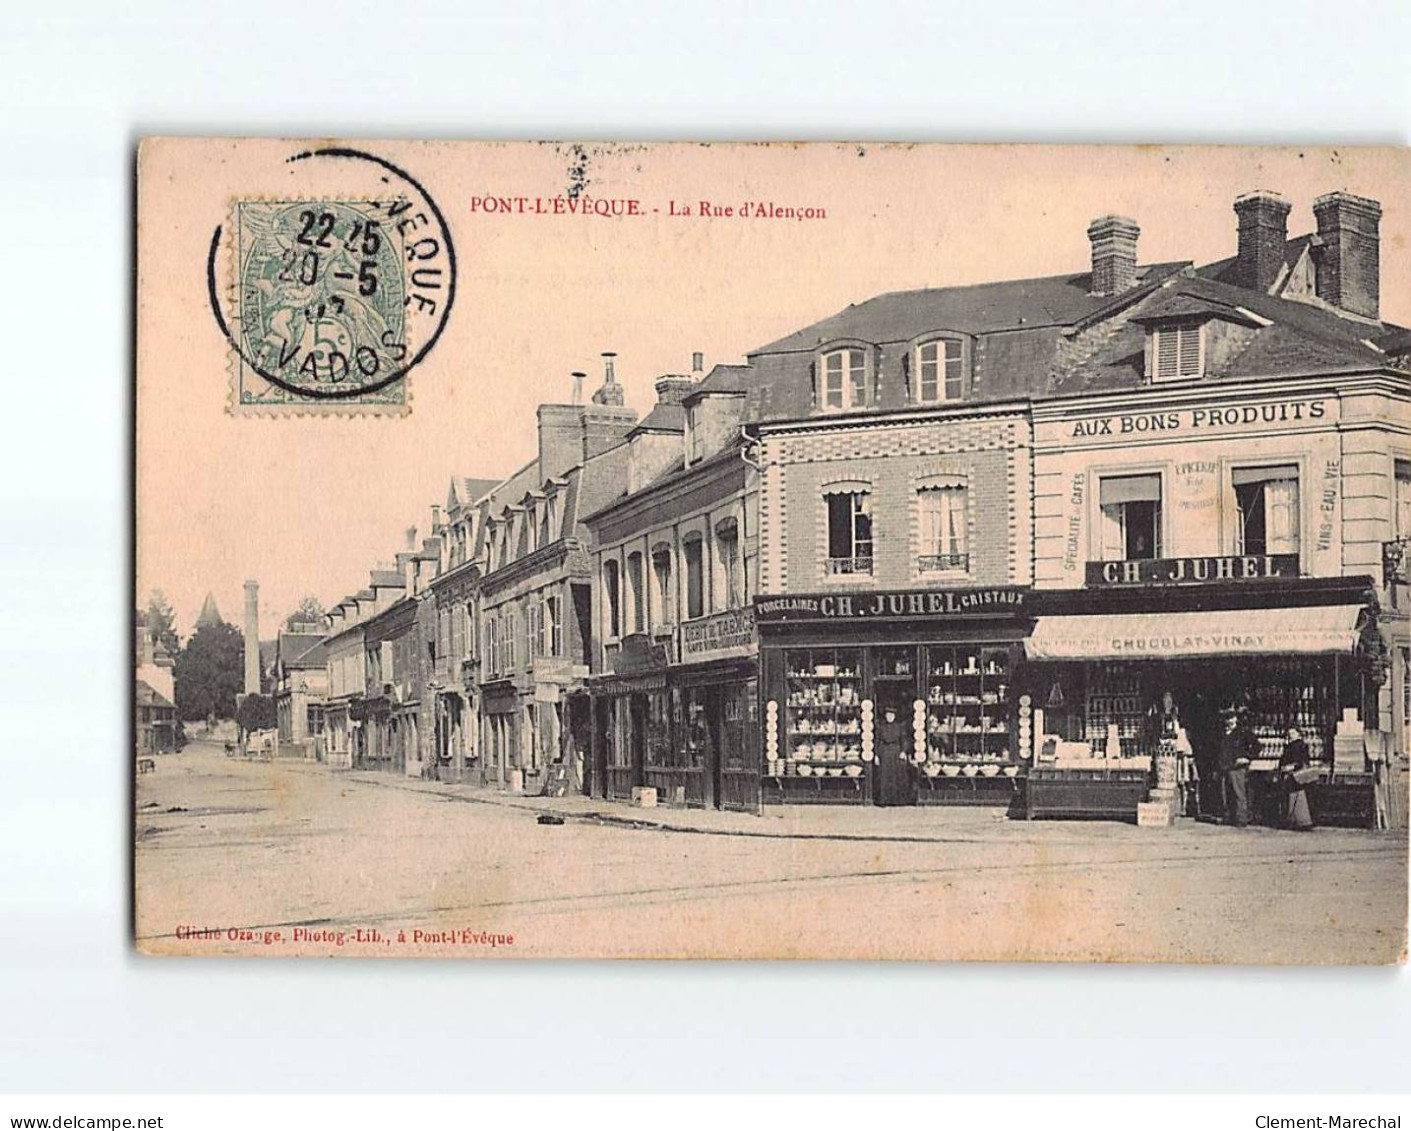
[1020,513]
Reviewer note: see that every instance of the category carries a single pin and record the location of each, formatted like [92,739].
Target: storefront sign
[904,604]
[722,632]
[639,653]
[1199,420]
[1186,571]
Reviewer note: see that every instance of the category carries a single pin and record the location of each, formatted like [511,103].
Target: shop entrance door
[713,747]
[637,707]
[893,780]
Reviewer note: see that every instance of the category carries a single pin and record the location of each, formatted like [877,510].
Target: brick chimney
[1114,244]
[1263,231]
[672,387]
[1348,256]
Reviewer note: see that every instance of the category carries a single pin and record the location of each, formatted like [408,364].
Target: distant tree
[310,611]
[210,673]
[256,712]
[161,621]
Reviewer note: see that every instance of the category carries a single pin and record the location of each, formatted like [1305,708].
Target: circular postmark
[341,284]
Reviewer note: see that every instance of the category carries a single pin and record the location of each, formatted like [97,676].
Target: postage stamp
[319,306]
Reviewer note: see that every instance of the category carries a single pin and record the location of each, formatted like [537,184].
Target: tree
[210,673]
[310,611]
[256,712]
[161,621]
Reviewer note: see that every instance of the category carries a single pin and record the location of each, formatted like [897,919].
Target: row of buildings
[1019,513]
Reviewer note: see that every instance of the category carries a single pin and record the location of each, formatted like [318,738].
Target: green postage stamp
[319,307]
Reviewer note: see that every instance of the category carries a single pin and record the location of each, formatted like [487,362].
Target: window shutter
[1189,348]
[1114,537]
[1281,514]
[1166,345]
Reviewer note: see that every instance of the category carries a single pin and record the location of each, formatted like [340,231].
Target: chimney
[611,392]
[672,388]
[252,638]
[1114,244]
[697,363]
[578,379]
[1348,258]
[411,537]
[1263,231]
[435,518]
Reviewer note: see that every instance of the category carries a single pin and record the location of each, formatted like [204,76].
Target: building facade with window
[1213,487]
[997,509]
[673,700]
[896,531]
[452,642]
[300,678]
[535,590]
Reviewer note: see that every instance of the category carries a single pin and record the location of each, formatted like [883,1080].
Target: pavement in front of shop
[936,824]
[267,848]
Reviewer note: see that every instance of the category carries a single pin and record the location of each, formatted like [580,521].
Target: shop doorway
[637,737]
[894,781]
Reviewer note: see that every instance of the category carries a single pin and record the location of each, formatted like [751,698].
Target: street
[283,858]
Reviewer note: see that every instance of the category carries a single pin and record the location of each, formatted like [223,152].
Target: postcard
[788,551]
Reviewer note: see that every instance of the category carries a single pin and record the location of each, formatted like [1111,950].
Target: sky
[308,505]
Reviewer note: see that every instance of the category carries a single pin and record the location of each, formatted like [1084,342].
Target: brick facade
[891,460]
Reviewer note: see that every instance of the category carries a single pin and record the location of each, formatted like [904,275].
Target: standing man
[1234,754]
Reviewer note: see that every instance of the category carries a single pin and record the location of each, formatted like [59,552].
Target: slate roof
[148,696]
[1301,338]
[722,379]
[663,418]
[301,649]
[470,490]
[1223,270]
[983,308]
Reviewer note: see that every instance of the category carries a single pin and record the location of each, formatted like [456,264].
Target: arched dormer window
[938,370]
[845,376]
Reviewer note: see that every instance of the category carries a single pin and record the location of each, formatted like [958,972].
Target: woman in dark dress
[1294,758]
[892,771]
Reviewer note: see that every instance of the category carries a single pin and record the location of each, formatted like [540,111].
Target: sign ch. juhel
[1186,571]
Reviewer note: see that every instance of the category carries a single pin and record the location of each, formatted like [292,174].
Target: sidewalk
[959,824]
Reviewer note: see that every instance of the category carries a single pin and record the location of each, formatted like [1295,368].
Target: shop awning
[1232,632]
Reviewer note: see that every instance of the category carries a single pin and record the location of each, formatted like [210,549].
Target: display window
[823,712]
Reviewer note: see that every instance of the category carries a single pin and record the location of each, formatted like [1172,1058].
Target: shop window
[1266,509]
[612,597]
[967,704]
[1177,352]
[636,593]
[944,516]
[663,597]
[845,378]
[727,556]
[849,533]
[1131,517]
[1403,498]
[659,751]
[694,550]
[823,714]
[939,376]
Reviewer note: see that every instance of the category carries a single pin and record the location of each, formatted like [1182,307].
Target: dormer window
[844,383]
[939,371]
[1176,351]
